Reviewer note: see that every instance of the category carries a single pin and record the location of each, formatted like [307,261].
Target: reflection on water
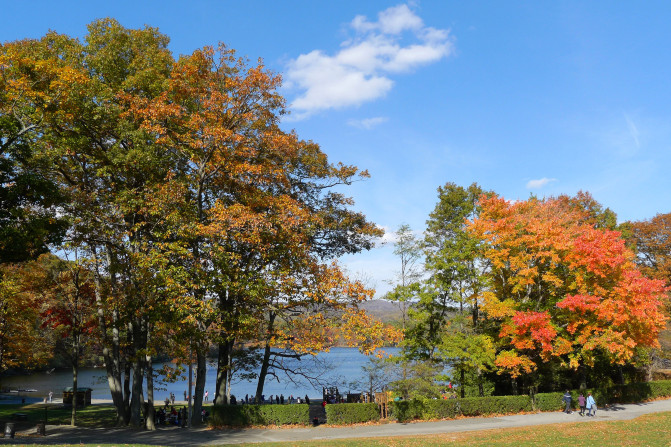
[341,367]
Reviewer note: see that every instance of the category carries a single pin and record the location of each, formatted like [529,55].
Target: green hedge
[342,414]
[243,415]
[450,408]
[480,406]
[407,410]
[636,392]
[440,409]
[551,401]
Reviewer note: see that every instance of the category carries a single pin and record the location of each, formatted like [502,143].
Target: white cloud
[537,184]
[360,71]
[389,236]
[367,123]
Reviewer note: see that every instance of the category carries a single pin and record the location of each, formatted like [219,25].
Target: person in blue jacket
[591,405]
[567,401]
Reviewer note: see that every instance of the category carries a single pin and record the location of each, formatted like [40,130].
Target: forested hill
[385,311]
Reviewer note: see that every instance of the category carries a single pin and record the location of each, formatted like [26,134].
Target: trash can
[41,429]
[9,430]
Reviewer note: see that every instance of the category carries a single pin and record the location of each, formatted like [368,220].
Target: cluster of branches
[196,218]
[536,293]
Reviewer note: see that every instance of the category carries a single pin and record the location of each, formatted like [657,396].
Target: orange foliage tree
[652,241]
[563,288]
[252,206]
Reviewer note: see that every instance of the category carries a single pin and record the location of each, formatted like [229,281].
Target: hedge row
[637,392]
[243,415]
[343,414]
[481,406]
[450,408]
[338,414]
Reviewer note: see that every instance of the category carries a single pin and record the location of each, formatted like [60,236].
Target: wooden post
[382,399]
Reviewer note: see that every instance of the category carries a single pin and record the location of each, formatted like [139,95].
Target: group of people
[274,399]
[176,417]
[172,416]
[586,403]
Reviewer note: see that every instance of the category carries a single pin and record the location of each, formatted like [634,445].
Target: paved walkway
[173,436]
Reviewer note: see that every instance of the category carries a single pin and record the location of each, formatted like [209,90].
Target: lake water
[340,366]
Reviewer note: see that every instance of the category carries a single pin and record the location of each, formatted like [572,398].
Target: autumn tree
[447,315]
[651,241]
[28,199]
[106,167]
[64,293]
[563,290]
[255,198]
[22,342]
[199,217]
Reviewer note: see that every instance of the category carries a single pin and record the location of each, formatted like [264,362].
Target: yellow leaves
[514,364]
[497,309]
[366,333]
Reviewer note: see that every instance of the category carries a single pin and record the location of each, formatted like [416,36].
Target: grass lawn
[647,430]
[90,416]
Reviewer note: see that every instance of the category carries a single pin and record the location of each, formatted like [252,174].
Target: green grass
[90,416]
[647,430]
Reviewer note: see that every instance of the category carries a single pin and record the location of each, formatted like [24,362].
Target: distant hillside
[385,311]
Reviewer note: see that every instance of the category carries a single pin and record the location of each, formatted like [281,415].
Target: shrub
[407,410]
[341,414]
[243,415]
[549,402]
[450,408]
[636,392]
[477,406]
[440,409]
[660,388]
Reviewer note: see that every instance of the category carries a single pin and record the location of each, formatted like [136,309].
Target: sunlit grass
[648,430]
[90,416]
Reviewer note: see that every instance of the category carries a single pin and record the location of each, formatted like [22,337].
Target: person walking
[207,394]
[567,400]
[591,405]
[581,402]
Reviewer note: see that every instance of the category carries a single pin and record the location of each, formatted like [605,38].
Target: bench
[19,417]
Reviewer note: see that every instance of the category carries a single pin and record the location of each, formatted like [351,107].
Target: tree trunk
[127,393]
[111,351]
[136,399]
[149,415]
[201,374]
[264,371]
[266,357]
[481,387]
[224,365]
[75,371]
[462,378]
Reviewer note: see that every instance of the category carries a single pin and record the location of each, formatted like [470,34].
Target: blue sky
[521,97]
